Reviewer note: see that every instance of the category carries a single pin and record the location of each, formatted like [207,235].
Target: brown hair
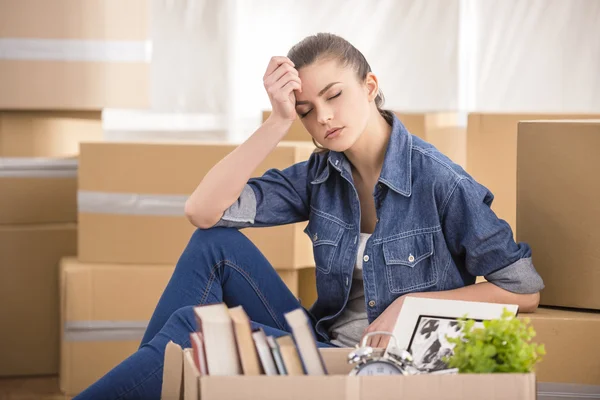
[329,46]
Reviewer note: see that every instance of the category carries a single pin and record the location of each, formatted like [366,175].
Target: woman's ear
[372,86]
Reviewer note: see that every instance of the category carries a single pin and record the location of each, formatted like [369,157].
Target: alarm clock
[369,361]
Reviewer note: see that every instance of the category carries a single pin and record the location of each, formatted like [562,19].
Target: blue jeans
[218,265]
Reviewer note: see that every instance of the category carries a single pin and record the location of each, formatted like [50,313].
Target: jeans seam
[249,280]
[150,375]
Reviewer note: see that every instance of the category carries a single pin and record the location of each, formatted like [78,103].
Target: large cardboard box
[558,208]
[492,156]
[29,257]
[71,54]
[132,196]
[339,386]
[441,129]
[104,311]
[38,164]
[571,339]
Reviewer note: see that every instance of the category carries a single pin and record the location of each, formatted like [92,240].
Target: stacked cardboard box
[131,232]
[558,215]
[74,55]
[442,129]
[492,156]
[61,63]
[38,214]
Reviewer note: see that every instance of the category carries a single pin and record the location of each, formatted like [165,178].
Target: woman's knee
[183,318]
[216,237]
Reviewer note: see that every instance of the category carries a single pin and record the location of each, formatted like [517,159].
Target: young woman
[389,217]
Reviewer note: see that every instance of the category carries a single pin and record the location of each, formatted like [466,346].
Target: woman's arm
[486,292]
[224,183]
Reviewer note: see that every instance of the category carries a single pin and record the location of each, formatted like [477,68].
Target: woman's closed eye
[304,114]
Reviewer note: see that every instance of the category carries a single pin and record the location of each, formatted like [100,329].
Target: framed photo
[423,326]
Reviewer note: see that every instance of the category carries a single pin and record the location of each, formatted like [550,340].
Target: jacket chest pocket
[409,263]
[325,236]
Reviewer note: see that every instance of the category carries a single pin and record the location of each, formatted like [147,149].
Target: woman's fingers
[274,63]
[279,74]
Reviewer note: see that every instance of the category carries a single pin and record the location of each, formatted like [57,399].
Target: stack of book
[226,344]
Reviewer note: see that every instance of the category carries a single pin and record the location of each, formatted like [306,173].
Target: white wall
[537,55]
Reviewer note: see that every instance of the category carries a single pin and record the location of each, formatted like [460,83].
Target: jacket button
[366,258]
[411,258]
[372,303]
[315,237]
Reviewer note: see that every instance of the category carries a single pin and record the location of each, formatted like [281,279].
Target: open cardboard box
[181,380]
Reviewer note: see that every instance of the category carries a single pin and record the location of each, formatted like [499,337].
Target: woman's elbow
[197,218]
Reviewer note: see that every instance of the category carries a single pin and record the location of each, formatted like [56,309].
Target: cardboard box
[571,339]
[38,168]
[440,129]
[339,386]
[29,257]
[104,311]
[131,209]
[68,54]
[492,156]
[558,208]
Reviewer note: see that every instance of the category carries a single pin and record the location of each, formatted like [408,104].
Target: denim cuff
[241,213]
[519,277]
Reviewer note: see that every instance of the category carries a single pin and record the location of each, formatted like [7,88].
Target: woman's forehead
[318,75]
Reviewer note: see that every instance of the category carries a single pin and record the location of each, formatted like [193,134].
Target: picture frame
[423,325]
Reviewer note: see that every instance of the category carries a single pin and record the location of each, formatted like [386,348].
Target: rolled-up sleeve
[278,197]
[482,243]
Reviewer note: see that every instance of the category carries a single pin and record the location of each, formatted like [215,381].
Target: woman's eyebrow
[298,103]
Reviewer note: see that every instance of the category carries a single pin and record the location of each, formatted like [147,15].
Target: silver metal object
[370,361]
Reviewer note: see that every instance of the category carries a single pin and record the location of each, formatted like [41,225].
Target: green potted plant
[502,345]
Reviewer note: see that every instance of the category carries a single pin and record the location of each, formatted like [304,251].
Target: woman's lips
[334,133]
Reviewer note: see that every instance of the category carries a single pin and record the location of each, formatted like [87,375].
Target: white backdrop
[430,55]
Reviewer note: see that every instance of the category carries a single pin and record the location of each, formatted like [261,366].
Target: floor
[31,388]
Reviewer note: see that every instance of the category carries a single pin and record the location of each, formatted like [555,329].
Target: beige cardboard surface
[38,200]
[45,84]
[47,133]
[171,169]
[29,315]
[559,208]
[37,197]
[102,295]
[74,19]
[492,156]
[73,85]
[571,339]
[338,385]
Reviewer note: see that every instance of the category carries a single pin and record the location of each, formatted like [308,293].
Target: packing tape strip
[102,331]
[37,167]
[131,203]
[75,50]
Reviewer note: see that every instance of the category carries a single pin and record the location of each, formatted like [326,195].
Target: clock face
[378,368]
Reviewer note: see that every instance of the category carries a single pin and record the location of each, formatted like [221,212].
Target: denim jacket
[435,230]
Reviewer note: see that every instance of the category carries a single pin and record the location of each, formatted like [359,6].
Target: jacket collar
[396,170]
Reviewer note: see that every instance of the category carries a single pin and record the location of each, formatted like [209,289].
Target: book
[245,344]
[264,352]
[306,342]
[276,355]
[197,340]
[290,356]
[219,340]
